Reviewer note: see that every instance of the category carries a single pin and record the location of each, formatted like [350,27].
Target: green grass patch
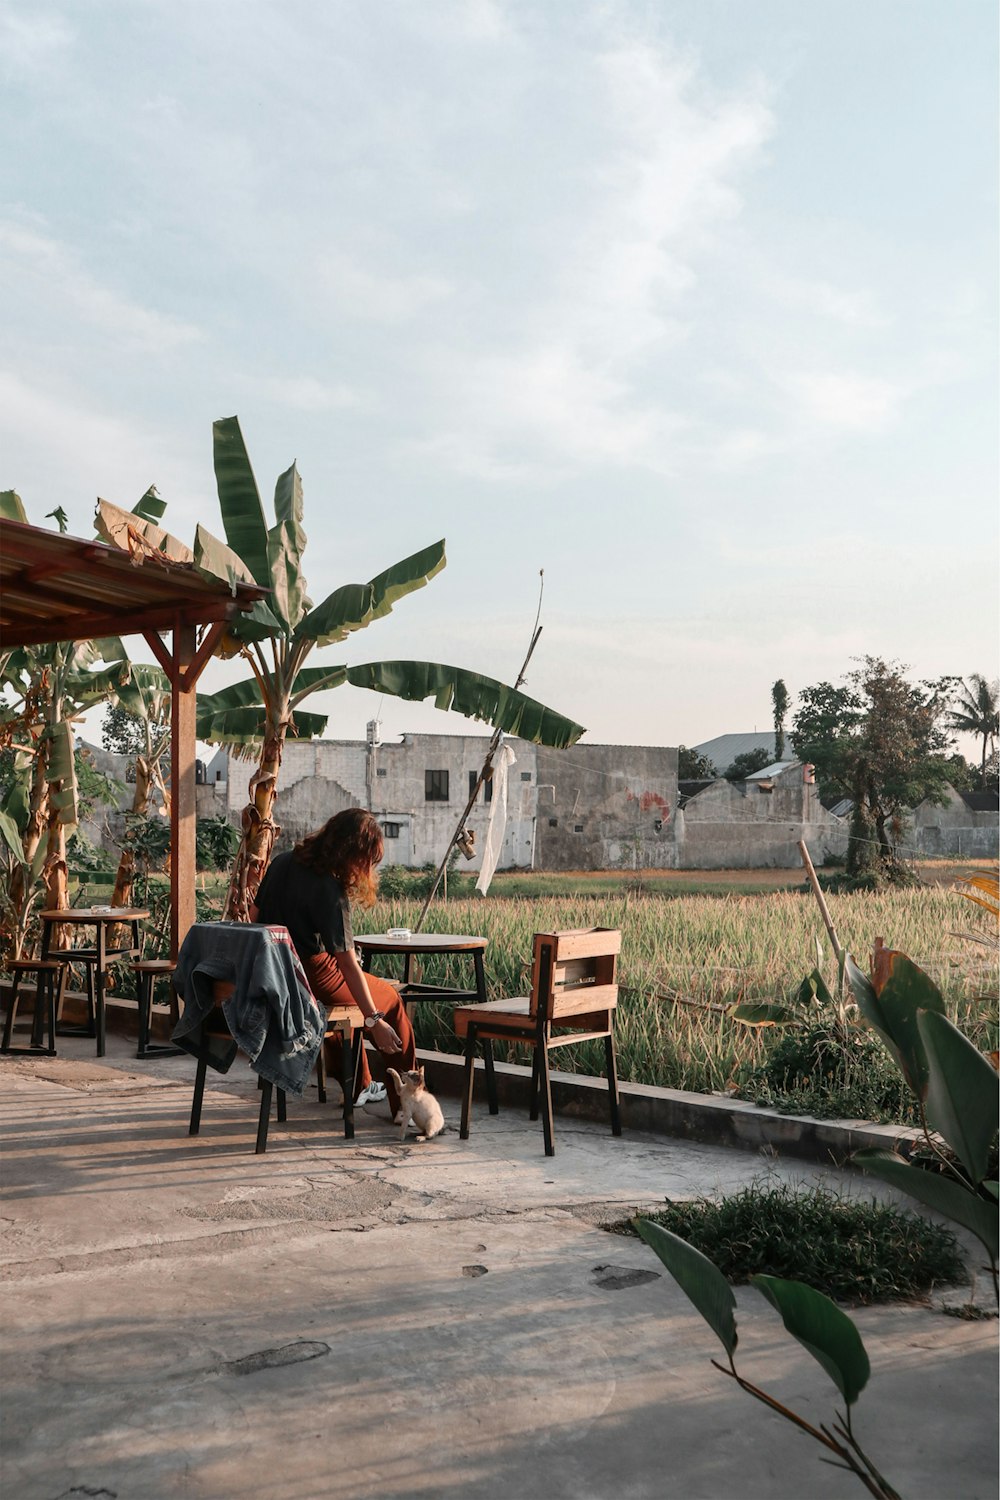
[853,1251]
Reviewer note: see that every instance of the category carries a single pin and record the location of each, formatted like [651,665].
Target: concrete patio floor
[182,1318]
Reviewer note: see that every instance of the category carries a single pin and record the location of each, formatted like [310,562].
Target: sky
[676,318]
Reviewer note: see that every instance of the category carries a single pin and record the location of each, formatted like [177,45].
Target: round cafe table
[436,945]
[96,956]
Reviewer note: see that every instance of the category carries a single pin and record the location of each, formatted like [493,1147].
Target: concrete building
[589,807]
[757,823]
[966,827]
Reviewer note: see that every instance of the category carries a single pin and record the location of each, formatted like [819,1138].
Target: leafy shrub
[831,1074]
[848,1249]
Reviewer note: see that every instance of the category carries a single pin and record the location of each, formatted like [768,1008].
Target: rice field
[685,960]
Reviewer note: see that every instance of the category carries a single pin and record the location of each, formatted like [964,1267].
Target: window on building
[381,771]
[391,830]
[578,828]
[435,786]
[553,822]
[487,787]
[525,775]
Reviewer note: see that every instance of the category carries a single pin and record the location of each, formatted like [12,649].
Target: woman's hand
[384,1037]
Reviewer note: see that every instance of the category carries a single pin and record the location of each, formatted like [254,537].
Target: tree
[277,636]
[138,724]
[779,701]
[746,764]
[878,740]
[693,766]
[976,711]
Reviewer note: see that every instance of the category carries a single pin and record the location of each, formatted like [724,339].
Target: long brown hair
[348,847]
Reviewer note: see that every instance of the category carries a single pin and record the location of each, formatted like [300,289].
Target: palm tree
[278,635]
[976,712]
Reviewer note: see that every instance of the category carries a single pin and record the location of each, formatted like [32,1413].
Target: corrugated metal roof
[723,750]
[769,771]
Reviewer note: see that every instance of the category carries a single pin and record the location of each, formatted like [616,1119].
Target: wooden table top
[96,914]
[420,942]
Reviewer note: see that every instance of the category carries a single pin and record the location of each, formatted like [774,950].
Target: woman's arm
[382,1034]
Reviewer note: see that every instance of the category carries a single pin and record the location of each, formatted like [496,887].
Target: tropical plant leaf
[316,680]
[308,726]
[126,528]
[286,542]
[150,507]
[12,507]
[764,1014]
[62,770]
[993,1188]
[471,694]
[11,836]
[893,1013]
[231,726]
[239,499]
[355,605]
[237,695]
[700,1281]
[820,1326]
[943,1194]
[963,1092]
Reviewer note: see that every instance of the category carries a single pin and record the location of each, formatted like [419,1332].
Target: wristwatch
[376,1015]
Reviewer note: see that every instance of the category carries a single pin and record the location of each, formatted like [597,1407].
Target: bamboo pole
[821,901]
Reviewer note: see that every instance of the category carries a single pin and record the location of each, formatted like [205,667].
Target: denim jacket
[271,1013]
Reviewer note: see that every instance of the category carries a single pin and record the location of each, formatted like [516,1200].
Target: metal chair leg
[321,1075]
[8,1025]
[198,1096]
[348,1068]
[264,1117]
[613,1099]
[546,1082]
[491,1077]
[535,1076]
[470,1064]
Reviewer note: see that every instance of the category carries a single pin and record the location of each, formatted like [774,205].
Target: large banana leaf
[471,694]
[355,605]
[11,506]
[286,543]
[821,1327]
[62,768]
[116,526]
[214,559]
[245,726]
[961,1092]
[316,680]
[239,499]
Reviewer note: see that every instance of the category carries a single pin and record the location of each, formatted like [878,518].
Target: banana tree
[145,732]
[45,689]
[276,638]
[48,688]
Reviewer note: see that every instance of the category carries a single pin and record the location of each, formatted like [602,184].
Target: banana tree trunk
[21,881]
[55,874]
[122,894]
[259,829]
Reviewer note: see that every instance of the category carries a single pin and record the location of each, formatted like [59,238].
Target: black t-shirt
[313,907]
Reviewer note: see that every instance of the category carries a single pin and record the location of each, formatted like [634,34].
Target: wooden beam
[182,787]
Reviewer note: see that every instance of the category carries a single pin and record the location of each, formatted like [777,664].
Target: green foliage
[400,883]
[216,843]
[747,764]
[853,1250]
[879,740]
[693,766]
[697,1277]
[827,1072]
[810,1317]
[779,703]
[94,788]
[976,711]
[84,858]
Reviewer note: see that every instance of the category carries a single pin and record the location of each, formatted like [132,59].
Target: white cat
[416,1103]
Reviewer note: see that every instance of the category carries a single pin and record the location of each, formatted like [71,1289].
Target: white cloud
[30,41]
[848,400]
[32,262]
[357,291]
[307,394]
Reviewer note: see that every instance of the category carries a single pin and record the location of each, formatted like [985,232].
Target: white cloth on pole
[497,826]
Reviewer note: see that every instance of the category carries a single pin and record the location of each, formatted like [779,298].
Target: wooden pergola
[63,588]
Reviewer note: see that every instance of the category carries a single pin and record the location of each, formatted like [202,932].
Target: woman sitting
[309,890]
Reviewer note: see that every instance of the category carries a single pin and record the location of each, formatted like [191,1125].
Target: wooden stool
[147,971]
[46,995]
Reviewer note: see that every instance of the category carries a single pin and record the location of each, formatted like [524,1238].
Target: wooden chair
[573,998]
[346,1020]
[147,971]
[50,980]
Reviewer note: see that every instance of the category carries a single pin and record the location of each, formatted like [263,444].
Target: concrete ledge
[712,1119]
